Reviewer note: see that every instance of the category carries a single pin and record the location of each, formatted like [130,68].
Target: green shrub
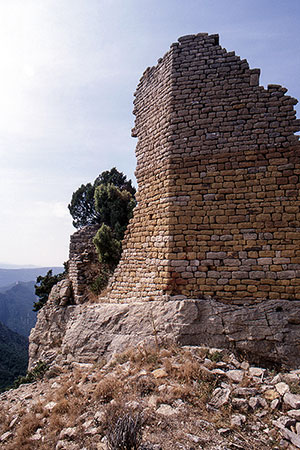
[101,281]
[37,373]
[109,248]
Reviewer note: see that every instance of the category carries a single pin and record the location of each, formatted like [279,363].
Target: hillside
[9,276]
[16,305]
[13,356]
[155,399]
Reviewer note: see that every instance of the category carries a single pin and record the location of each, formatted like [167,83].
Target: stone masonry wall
[83,263]
[218,176]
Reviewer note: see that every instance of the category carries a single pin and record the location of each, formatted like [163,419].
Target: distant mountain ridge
[16,305]
[10,276]
[13,356]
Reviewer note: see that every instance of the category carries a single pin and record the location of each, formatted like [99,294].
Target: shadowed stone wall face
[84,266]
[218,175]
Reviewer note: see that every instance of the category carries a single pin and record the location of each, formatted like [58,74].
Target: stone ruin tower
[218,182]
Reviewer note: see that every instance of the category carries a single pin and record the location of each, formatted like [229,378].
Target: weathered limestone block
[266,332]
[46,337]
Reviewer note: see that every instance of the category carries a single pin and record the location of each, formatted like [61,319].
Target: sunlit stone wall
[218,182]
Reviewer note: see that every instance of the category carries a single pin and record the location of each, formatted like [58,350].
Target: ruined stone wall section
[218,176]
[143,271]
[235,159]
[83,265]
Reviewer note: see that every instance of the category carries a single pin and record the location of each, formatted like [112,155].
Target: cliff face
[266,333]
[211,255]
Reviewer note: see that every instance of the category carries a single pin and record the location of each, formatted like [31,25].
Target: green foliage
[13,356]
[36,373]
[116,178]
[109,201]
[44,285]
[108,247]
[101,281]
[216,356]
[82,207]
[114,208]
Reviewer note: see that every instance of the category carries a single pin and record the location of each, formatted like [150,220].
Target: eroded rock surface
[265,332]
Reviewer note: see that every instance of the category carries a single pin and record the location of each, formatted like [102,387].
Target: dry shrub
[294,387]
[38,408]
[27,427]
[56,423]
[167,365]
[107,389]
[62,407]
[146,356]
[246,381]
[145,385]
[123,427]
[29,424]
[5,420]
[122,358]
[204,391]
[189,371]
[168,352]
[173,393]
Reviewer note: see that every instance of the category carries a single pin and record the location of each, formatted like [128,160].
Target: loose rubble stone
[237,420]
[274,404]
[256,372]
[5,436]
[282,388]
[292,400]
[67,433]
[254,403]
[159,373]
[292,437]
[235,375]
[284,422]
[271,394]
[219,397]
[166,410]
[294,413]
[50,405]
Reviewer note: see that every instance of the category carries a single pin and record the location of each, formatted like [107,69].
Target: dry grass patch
[29,423]
[107,389]
[5,420]
[145,385]
[176,392]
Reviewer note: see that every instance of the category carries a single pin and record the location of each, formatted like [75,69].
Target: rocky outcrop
[52,320]
[267,333]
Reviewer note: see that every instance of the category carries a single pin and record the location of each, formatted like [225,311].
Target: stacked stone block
[83,265]
[218,174]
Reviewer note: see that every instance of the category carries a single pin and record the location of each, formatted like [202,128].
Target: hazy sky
[68,70]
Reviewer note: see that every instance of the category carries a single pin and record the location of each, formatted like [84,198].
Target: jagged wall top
[218,177]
